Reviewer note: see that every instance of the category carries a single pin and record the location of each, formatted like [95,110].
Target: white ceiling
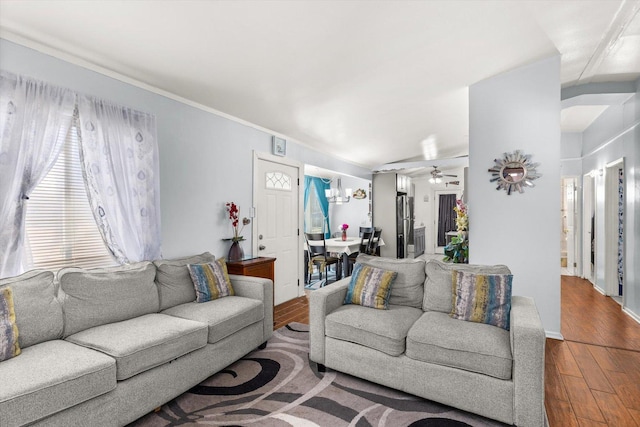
[372,82]
[579,117]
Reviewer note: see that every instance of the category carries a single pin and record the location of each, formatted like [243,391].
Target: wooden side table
[256,267]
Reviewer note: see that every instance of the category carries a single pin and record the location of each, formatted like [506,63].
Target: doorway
[568,241]
[444,218]
[277,221]
[614,229]
[588,228]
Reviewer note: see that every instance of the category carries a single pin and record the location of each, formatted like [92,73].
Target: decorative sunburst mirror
[514,171]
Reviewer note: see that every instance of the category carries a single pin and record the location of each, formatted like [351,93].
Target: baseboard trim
[554,335]
[599,289]
[631,314]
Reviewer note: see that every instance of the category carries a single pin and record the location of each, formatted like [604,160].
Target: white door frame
[611,227]
[569,185]
[256,186]
[588,209]
[436,216]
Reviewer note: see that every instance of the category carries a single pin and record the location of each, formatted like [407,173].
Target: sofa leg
[321,368]
[263,346]
[157,409]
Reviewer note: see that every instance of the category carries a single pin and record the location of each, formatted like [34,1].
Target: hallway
[592,378]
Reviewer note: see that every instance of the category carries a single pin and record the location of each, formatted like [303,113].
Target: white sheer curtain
[32,115]
[121,167]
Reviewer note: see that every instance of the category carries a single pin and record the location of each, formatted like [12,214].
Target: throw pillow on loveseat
[417,347]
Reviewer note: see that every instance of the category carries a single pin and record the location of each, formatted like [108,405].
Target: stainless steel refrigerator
[393,212]
[403,224]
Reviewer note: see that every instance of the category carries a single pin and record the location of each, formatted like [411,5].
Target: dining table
[345,247]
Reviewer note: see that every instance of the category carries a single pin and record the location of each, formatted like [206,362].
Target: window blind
[61,230]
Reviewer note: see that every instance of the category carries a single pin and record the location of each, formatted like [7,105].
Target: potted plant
[235,251]
[457,250]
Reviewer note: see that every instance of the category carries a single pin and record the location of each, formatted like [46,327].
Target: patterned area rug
[279,387]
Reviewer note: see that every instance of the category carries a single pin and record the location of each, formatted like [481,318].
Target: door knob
[262,247]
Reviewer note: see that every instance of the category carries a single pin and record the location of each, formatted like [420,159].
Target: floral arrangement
[234,217]
[359,194]
[344,227]
[462,220]
[457,250]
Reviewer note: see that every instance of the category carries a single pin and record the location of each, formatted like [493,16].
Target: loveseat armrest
[527,348]
[322,302]
[260,289]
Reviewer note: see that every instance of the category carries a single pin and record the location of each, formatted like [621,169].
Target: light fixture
[437,175]
[336,195]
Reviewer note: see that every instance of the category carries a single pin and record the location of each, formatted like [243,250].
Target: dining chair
[374,241]
[365,239]
[318,256]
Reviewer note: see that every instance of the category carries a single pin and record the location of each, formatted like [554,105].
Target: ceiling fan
[437,175]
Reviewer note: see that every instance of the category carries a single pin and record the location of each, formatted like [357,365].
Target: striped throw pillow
[370,287]
[211,280]
[9,346]
[482,298]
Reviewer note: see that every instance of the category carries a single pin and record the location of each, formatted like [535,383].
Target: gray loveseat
[416,347]
[104,347]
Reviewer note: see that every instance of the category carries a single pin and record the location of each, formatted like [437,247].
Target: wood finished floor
[592,378]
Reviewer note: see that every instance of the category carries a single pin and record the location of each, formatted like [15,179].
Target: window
[60,227]
[278,181]
[314,218]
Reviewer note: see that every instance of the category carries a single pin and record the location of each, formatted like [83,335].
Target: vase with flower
[235,251]
[344,227]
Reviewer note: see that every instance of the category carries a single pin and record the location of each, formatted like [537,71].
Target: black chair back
[373,243]
[363,229]
[316,244]
[365,240]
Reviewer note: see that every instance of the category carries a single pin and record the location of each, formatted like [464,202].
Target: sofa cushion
[482,298]
[438,286]
[105,295]
[224,316]
[382,330]
[476,347]
[370,287]
[174,283]
[210,280]
[38,312]
[50,377]
[9,346]
[144,342]
[408,286]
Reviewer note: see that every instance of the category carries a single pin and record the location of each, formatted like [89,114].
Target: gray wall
[606,129]
[355,213]
[205,159]
[519,109]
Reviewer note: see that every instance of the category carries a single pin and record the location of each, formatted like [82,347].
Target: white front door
[277,196]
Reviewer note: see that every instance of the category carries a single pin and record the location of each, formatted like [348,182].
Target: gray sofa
[416,347]
[103,347]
